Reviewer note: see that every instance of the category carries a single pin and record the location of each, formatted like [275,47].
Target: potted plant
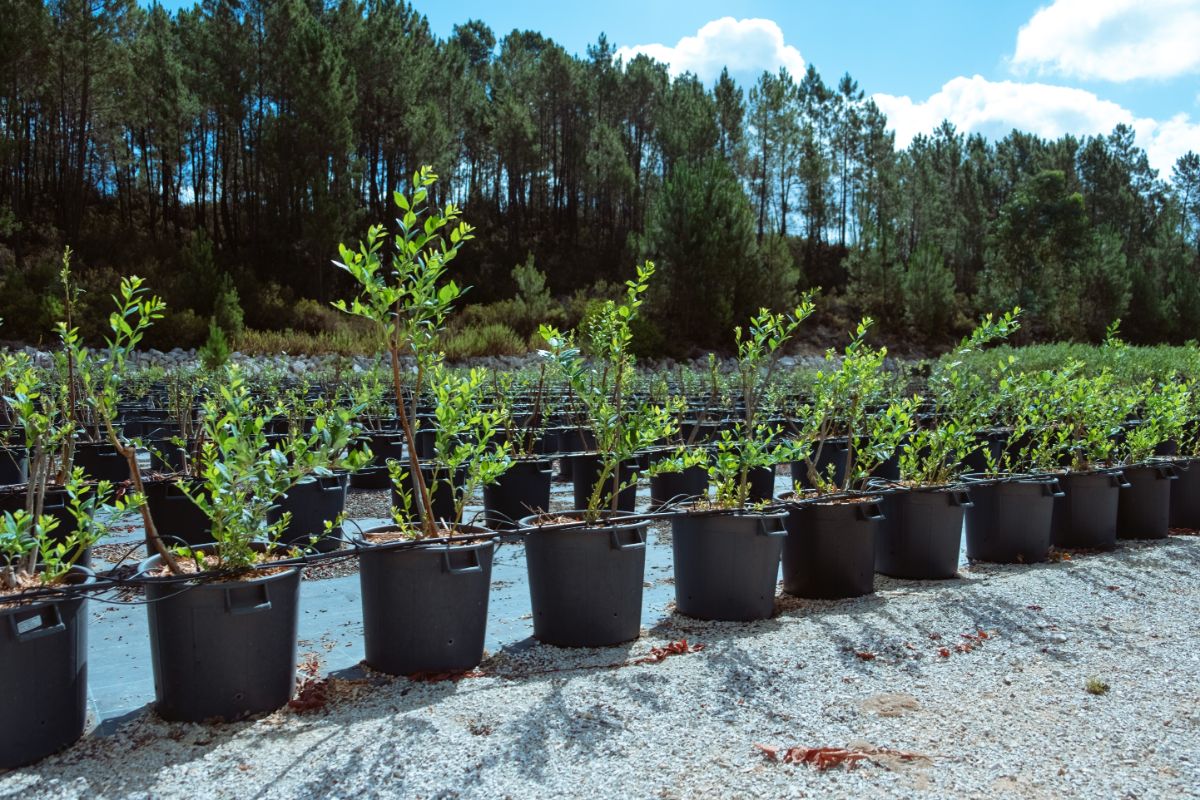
[727,562]
[223,616]
[43,621]
[1013,499]
[425,579]
[1185,492]
[1143,511]
[524,486]
[922,536]
[830,547]
[585,576]
[1085,416]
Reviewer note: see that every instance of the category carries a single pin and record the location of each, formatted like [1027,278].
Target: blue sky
[1057,66]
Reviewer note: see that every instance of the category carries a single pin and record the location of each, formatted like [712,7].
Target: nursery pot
[675,487]
[727,565]
[1009,521]
[1145,507]
[385,446]
[584,474]
[101,461]
[14,465]
[312,502]
[43,669]
[177,518]
[1086,515]
[923,534]
[829,551]
[223,649]
[522,490]
[762,484]
[833,451]
[585,584]
[443,490]
[1185,495]
[424,607]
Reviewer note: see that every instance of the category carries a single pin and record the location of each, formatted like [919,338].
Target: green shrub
[227,308]
[215,352]
[488,340]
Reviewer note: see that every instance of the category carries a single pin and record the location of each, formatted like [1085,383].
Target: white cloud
[993,108]
[1111,40]
[746,46]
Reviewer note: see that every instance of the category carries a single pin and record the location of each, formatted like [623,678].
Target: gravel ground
[1006,715]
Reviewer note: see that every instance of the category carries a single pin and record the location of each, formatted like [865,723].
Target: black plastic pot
[313,502]
[830,549]
[1009,522]
[54,505]
[14,465]
[833,451]
[101,461]
[727,565]
[443,489]
[524,489]
[384,445]
[676,487]
[43,669]
[762,484]
[222,650]
[584,475]
[1185,495]
[1086,515]
[425,607]
[177,518]
[923,534]
[1145,507]
[585,584]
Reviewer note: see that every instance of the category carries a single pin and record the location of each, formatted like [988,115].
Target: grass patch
[1095,686]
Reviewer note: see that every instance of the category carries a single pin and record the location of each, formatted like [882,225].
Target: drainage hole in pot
[239,696]
[450,642]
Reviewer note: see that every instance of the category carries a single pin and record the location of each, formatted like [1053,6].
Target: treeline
[224,151]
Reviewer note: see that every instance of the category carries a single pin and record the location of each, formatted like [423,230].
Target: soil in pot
[43,669]
[922,537]
[1009,521]
[222,650]
[585,584]
[829,551]
[1086,515]
[521,491]
[727,565]
[1145,507]
[425,607]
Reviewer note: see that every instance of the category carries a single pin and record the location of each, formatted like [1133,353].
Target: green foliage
[964,402]
[227,309]
[215,352]
[601,386]
[927,285]
[488,340]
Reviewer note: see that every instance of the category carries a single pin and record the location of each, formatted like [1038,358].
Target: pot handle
[777,533]
[638,541]
[870,512]
[473,566]
[248,599]
[1166,472]
[961,498]
[1118,480]
[46,621]
[1052,488]
[329,483]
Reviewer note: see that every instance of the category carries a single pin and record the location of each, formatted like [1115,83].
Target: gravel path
[995,716]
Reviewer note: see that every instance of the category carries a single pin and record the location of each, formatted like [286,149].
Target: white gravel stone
[1001,716]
